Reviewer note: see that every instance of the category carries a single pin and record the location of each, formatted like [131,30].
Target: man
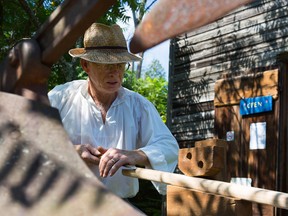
[109,125]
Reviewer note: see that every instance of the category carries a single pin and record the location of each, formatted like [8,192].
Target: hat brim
[107,56]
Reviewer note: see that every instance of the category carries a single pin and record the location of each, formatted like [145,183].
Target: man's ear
[84,65]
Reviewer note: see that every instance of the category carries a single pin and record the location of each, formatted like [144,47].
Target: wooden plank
[270,8]
[189,88]
[251,26]
[234,42]
[198,98]
[232,32]
[193,117]
[186,71]
[182,201]
[231,91]
[235,36]
[196,95]
[192,126]
[215,69]
[183,111]
[238,60]
[195,135]
[244,12]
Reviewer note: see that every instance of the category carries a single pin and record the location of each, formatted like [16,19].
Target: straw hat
[104,44]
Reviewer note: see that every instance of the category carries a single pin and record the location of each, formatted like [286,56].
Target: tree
[155,70]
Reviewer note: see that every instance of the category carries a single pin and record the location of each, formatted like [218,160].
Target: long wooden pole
[258,195]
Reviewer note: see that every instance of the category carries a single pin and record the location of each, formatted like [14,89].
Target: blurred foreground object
[40,171]
[169,18]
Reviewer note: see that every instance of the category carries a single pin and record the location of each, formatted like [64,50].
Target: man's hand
[89,153]
[112,159]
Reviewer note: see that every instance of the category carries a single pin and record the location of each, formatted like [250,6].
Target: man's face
[106,78]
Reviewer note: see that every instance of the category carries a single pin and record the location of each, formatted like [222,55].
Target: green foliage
[154,89]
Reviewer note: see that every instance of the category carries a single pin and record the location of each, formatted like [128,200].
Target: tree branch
[30,13]
[149,6]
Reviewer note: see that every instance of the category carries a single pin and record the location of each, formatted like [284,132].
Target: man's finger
[87,156]
[94,151]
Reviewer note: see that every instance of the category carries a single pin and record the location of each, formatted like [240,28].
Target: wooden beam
[66,24]
[172,17]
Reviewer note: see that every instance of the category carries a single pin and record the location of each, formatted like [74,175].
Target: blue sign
[255,105]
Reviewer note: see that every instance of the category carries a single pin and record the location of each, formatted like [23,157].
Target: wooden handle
[252,194]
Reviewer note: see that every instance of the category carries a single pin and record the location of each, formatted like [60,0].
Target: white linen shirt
[132,122]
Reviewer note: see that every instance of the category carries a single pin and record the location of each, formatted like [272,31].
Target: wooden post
[182,201]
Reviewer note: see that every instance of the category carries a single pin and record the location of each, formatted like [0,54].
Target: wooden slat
[241,14]
[199,116]
[258,18]
[198,98]
[192,126]
[229,45]
[231,91]
[195,135]
[245,57]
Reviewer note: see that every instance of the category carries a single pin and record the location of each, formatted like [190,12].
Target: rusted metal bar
[169,18]
[252,194]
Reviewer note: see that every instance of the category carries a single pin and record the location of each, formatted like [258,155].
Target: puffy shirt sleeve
[60,96]
[157,142]
[56,96]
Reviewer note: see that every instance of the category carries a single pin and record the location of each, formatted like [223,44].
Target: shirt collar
[122,93]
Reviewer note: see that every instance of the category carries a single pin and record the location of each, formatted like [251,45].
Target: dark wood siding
[248,39]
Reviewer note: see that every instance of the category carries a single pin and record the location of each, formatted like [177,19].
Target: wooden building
[242,55]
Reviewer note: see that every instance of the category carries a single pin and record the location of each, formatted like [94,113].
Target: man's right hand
[88,153]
